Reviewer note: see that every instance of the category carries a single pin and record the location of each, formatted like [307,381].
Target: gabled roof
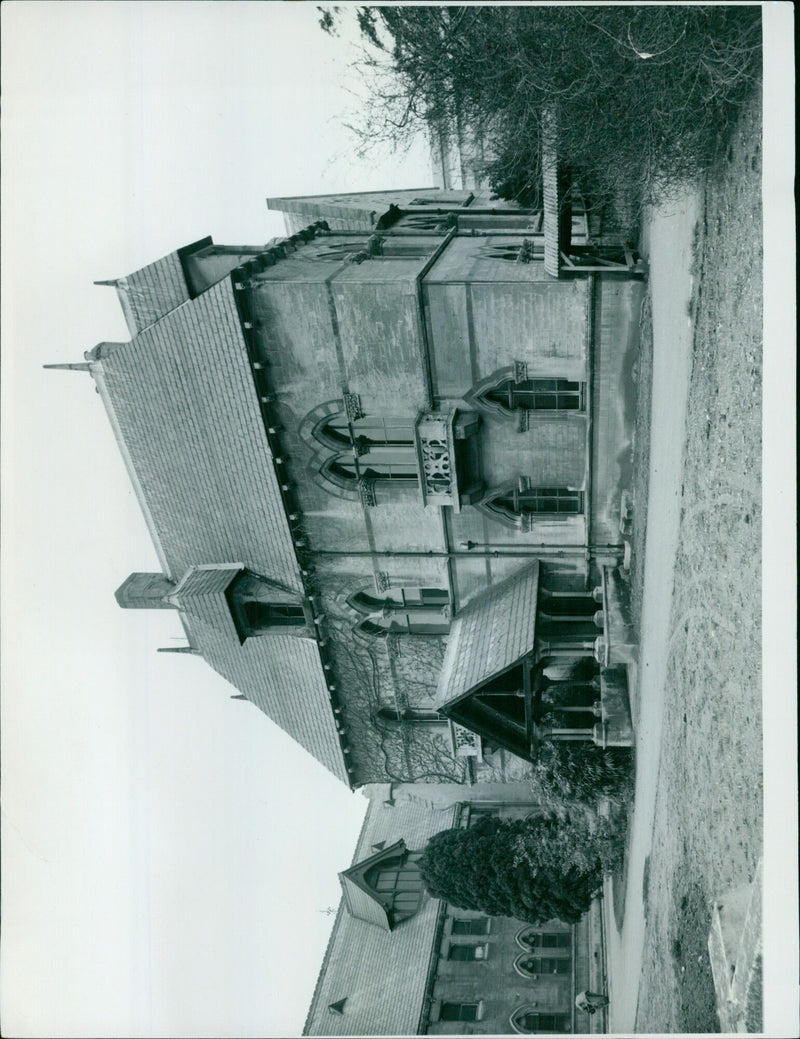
[199,460]
[362,901]
[201,594]
[184,409]
[489,635]
[381,974]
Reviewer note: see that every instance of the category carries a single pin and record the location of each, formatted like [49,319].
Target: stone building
[384,463]
[402,963]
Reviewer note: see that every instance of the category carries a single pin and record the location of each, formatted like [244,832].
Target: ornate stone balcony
[439,460]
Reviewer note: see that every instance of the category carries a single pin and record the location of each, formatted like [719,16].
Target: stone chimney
[145,592]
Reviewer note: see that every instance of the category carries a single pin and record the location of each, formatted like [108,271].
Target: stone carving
[467,743]
[366,491]
[352,405]
[436,458]
[382,581]
[520,371]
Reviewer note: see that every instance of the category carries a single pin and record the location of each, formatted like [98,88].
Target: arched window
[536,938]
[378,464]
[537,395]
[393,716]
[534,966]
[518,503]
[415,611]
[339,432]
[529,1021]
[515,252]
[398,884]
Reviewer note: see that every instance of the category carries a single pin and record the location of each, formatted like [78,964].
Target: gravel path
[667,244]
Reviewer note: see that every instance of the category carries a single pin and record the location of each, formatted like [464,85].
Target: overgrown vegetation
[542,868]
[580,774]
[643,95]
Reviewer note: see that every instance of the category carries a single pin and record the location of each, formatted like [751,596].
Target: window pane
[462,952]
[459,1012]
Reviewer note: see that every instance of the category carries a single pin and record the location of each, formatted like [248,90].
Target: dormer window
[261,607]
[398,884]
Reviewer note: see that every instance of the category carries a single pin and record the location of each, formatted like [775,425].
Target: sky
[168,854]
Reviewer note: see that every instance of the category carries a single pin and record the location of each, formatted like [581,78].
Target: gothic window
[415,611]
[537,501]
[376,464]
[389,714]
[459,1012]
[339,250]
[398,884]
[366,433]
[534,966]
[479,925]
[536,395]
[467,953]
[515,252]
[530,1022]
[531,938]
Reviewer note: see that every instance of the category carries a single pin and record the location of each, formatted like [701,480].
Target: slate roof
[490,634]
[382,975]
[151,292]
[181,400]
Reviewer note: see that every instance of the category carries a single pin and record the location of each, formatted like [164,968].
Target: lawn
[709,812]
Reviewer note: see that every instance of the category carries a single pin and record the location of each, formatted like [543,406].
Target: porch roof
[490,635]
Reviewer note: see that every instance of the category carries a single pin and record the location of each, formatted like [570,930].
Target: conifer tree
[537,869]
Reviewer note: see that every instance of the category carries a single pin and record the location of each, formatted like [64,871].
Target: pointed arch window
[535,938]
[415,611]
[379,464]
[536,395]
[525,251]
[398,884]
[524,502]
[535,966]
[529,1021]
[340,432]
[393,716]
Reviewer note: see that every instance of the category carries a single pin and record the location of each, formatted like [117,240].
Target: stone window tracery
[536,395]
[528,1021]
